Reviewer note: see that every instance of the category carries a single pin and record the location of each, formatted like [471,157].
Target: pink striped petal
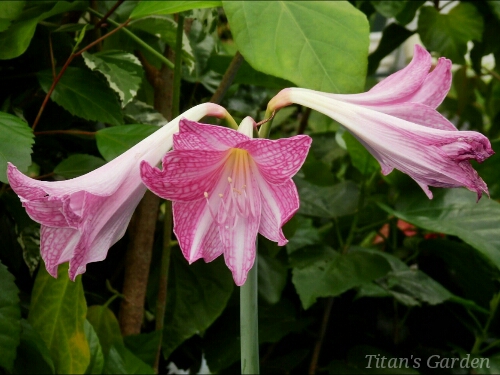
[56,246]
[435,87]
[195,136]
[274,159]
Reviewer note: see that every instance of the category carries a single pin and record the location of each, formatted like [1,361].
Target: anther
[229,179]
[220,195]
[206,194]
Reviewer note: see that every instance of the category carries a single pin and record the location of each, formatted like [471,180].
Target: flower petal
[417,113]
[196,136]
[186,175]
[56,246]
[278,160]
[436,85]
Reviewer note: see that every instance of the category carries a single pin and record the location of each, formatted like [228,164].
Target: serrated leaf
[449,33]
[10,318]
[15,40]
[455,212]
[78,165]
[331,274]
[146,8]
[57,313]
[9,11]
[84,94]
[33,347]
[121,361]
[327,201]
[106,327]
[96,357]
[197,295]
[293,40]
[137,112]
[114,141]
[16,138]
[122,70]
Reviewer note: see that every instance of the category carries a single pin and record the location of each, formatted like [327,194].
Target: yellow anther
[220,195]
[205,194]
[229,179]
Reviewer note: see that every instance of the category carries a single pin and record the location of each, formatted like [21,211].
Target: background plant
[372,266]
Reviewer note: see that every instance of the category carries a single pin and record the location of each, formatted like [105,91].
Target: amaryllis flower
[226,187]
[398,123]
[83,217]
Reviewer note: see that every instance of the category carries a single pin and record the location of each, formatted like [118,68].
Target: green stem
[143,44]
[249,326]
[265,129]
[484,332]
[177,68]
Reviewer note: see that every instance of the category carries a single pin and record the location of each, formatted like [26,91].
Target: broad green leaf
[9,11]
[495,7]
[165,27]
[114,141]
[327,201]
[10,318]
[305,234]
[84,94]
[122,70]
[449,33]
[293,40]
[57,313]
[96,357]
[492,366]
[272,276]
[455,212]
[106,327]
[78,165]
[197,295]
[144,346]
[388,8]
[146,8]
[392,37]
[407,14]
[33,347]
[16,138]
[120,360]
[16,39]
[361,158]
[330,274]
[137,112]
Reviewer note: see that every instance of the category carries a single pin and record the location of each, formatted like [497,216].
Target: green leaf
[361,158]
[407,15]
[114,141]
[78,165]
[106,327]
[455,212]
[272,278]
[9,11]
[16,39]
[96,357]
[10,318]
[84,94]
[305,234]
[327,201]
[122,70]
[57,313]
[146,8]
[388,8]
[197,295]
[137,112]
[121,361]
[449,33]
[293,40]
[392,37]
[33,347]
[144,346]
[16,138]
[331,274]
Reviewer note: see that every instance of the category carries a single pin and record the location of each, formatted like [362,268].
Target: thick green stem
[249,326]
[143,44]
[177,69]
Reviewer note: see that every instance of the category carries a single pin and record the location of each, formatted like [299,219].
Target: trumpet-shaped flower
[398,123]
[226,187]
[82,218]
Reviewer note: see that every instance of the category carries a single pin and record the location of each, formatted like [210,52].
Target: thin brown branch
[319,343]
[304,121]
[110,12]
[66,64]
[228,78]
[52,60]
[71,132]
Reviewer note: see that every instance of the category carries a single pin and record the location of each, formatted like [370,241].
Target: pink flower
[226,187]
[398,123]
[83,217]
